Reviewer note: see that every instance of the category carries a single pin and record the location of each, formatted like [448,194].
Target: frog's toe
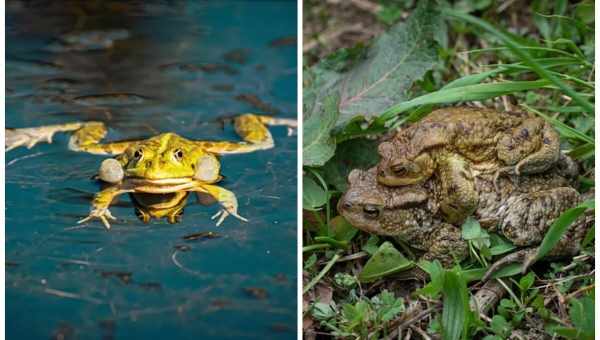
[524,256]
[102,214]
[221,215]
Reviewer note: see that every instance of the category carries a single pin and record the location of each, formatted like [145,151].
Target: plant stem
[321,273]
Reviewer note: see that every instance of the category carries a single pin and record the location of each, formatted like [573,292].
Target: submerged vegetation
[370,67]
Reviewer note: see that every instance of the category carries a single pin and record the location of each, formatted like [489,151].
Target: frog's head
[398,167]
[166,156]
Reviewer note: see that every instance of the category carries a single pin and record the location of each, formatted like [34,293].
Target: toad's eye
[178,154]
[371,211]
[138,154]
[399,170]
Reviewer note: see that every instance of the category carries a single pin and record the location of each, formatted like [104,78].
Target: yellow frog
[159,172]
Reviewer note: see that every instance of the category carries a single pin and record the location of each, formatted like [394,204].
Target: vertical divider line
[299,164]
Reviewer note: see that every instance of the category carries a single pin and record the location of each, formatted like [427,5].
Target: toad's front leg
[102,201]
[460,196]
[226,199]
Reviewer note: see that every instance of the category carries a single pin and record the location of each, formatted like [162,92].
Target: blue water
[80,281]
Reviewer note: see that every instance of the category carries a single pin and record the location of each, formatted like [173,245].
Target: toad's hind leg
[87,139]
[527,218]
[533,147]
[253,130]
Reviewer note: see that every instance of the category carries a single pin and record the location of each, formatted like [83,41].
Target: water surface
[192,64]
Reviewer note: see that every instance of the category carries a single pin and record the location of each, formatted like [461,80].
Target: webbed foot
[102,214]
[525,256]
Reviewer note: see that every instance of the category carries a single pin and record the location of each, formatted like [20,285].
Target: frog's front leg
[102,201]
[88,139]
[226,199]
[29,137]
[253,130]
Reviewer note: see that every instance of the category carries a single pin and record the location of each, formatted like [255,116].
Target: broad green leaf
[500,326]
[342,229]
[526,281]
[313,195]
[586,321]
[386,261]
[394,62]
[585,11]
[560,226]
[436,275]
[318,145]
[356,153]
[456,306]
[471,231]
[581,313]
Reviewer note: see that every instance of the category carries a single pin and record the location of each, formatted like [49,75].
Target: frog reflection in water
[159,172]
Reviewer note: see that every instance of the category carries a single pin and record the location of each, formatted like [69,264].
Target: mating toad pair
[505,169]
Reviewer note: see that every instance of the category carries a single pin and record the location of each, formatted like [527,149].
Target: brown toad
[490,141]
[522,213]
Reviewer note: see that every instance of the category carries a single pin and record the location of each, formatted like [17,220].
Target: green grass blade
[562,128]
[560,226]
[322,273]
[462,93]
[456,306]
[519,51]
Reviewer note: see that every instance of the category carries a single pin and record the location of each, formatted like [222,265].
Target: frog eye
[178,154]
[371,211]
[138,154]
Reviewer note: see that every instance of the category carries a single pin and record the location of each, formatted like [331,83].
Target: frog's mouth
[161,181]
[160,186]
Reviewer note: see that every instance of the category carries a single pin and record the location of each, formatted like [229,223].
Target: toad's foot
[525,256]
[506,171]
[103,214]
[29,137]
[223,213]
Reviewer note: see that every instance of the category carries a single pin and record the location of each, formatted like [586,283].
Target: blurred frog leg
[102,201]
[87,139]
[226,199]
[253,130]
[29,137]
